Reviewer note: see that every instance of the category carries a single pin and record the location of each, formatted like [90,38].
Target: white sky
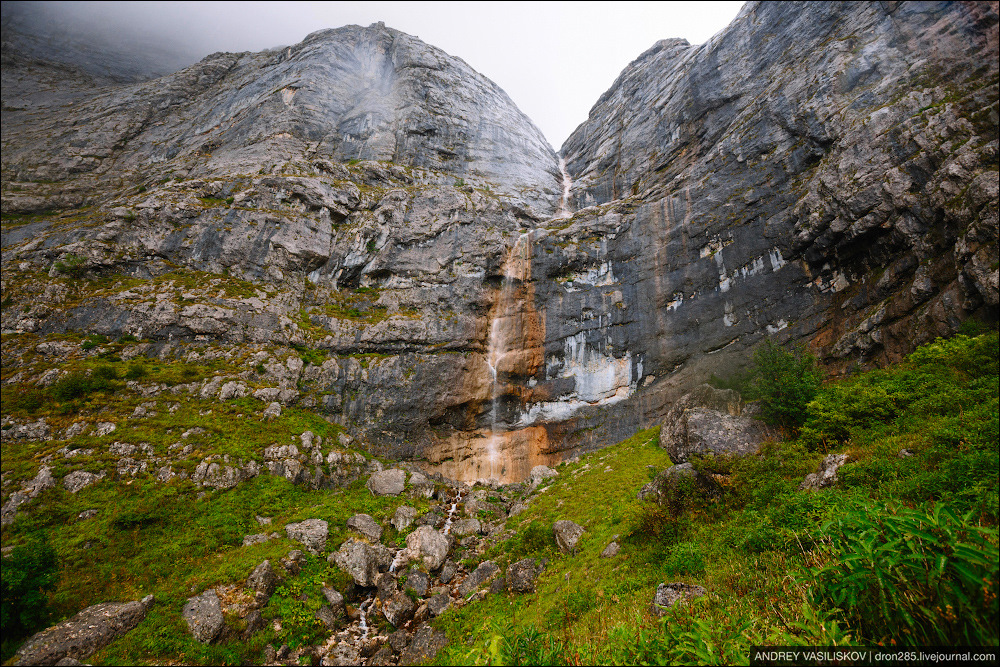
[554,59]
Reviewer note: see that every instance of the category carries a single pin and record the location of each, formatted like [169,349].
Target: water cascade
[451,511]
[567,184]
[362,611]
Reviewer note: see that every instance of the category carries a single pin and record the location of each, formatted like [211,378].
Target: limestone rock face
[79,637]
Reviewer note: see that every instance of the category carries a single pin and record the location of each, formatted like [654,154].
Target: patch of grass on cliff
[904,550]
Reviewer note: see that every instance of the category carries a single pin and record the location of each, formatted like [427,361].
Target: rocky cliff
[824,173]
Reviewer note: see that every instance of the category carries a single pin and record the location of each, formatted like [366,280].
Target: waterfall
[363,623]
[451,512]
[567,183]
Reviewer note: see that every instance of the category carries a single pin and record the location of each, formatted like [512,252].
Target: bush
[922,576]
[71,265]
[784,382]
[30,571]
[92,341]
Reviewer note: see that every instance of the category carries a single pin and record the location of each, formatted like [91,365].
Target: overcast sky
[554,59]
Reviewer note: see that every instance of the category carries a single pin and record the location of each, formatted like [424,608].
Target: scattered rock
[362,561]
[398,608]
[825,475]
[203,614]
[104,428]
[254,623]
[259,538]
[79,479]
[366,526]
[232,390]
[293,562]
[330,619]
[262,581]
[539,473]
[403,517]
[667,595]
[424,646]
[437,604]
[486,571]
[88,514]
[387,482]
[465,527]
[417,581]
[272,411]
[448,572]
[336,602]
[81,636]
[312,533]
[567,535]
[522,574]
[611,550]
[420,486]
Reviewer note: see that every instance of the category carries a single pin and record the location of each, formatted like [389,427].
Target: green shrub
[136,371]
[71,265]
[92,341]
[28,573]
[920,576]
[784,382]
[686,558]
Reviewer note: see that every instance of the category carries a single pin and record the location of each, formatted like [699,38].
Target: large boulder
[262,581]
[362,561]
[567,534]
[387,482]
[403,517]
[312,533]
[712,421]
[425,645]
[398,608]
[81,636]
[203,614]
[667,595]
[429,546]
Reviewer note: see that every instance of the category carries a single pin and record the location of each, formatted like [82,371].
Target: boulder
[482,574]
[438,604]
[387,482]
[712,421]
[331,619]
[398,608]
[424,646]
[428,545]
[448,572]
[366,526]
[667,595]
[362,561]
[611,550]
[539,473]
[417,581]
[465,527]
[312,533]
[826,473]
[79,479]
[669,485]
[272,411]
[335,601]
[262,581]
[203,614]
[84,634]
[567,534]
[403,517]
[522,574]
[421,486]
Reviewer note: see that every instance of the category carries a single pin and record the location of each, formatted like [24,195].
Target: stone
[362,561]
[231,390]
[403,517]
[398,608]
[343,654]
[253,624]
[540,473]
[522,574]
[448,572]
[84,634]
[365,526]
[203,614]
[387,482]
[424,646]
[293,562]
[420,486]
[330,618]
[429,546]
[417,581]
[262,581]
[662,490]
[567,534]
[667,595]
[478,577]
[712,421]
[79,479]
[464,527]
[438,604]
[826,474]
[611,550]
[272,411]
[312,533]
[336,602]
[259,538]
[104,428]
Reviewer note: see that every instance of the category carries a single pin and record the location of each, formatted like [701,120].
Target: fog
[554,59]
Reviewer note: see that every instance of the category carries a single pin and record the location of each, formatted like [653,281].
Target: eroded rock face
[79,637]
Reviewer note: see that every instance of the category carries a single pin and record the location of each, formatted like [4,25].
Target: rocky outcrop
[79,637]
[667,595]
[826,473]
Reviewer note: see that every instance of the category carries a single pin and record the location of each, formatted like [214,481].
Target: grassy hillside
[903,550]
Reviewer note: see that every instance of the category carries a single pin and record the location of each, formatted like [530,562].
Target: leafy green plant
[28,574]
[911,576]
[71,265]
[784,382]
[92,341]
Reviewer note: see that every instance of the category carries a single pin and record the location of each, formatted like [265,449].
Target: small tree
[784,382]
[28,574]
